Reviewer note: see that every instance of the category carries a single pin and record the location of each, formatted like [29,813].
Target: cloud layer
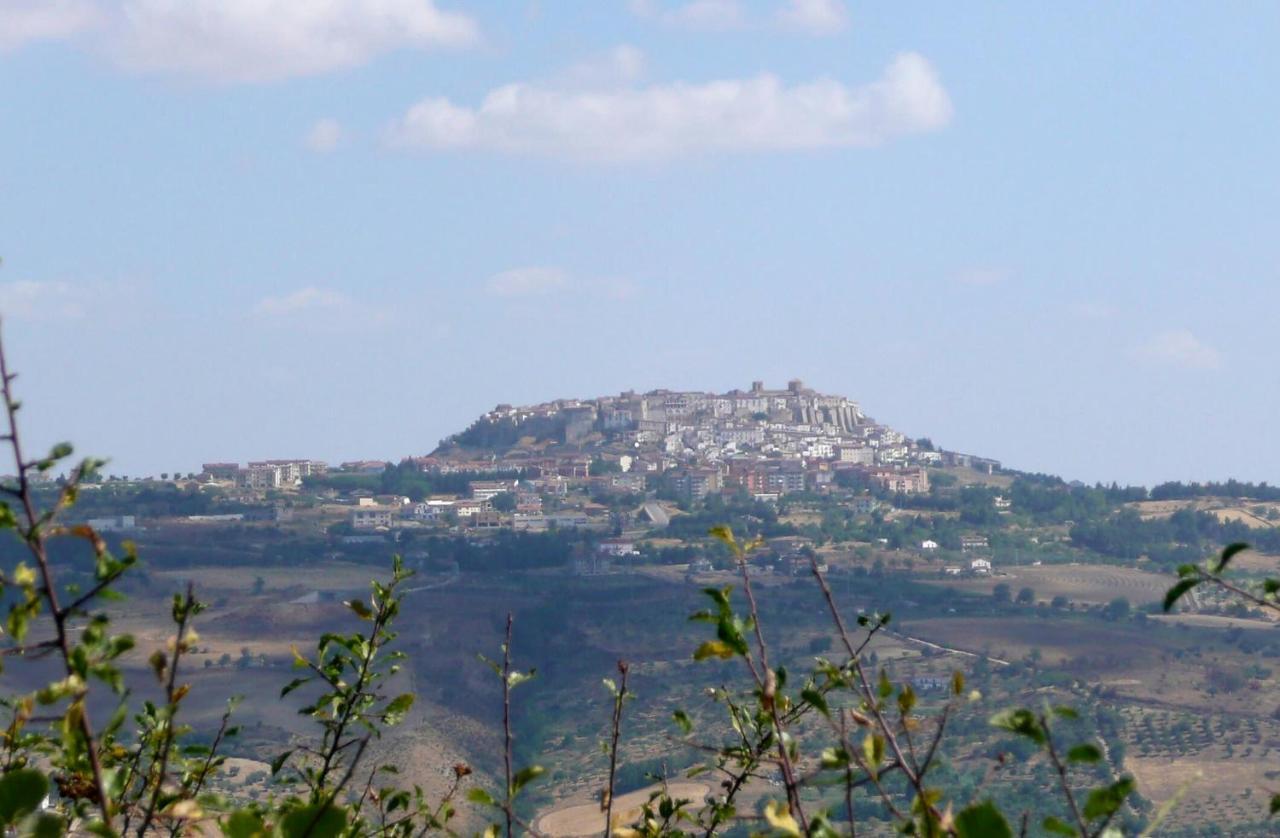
[669,120]
[810,17]
[239,40]
[1180,349]
[814,17]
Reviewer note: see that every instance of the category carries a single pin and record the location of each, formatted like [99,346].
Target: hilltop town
[765,442]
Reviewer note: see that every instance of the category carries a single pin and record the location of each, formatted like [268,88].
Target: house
[116,523]
[863,505]
[907,481]
[654,514]
[952,570]
[981,567]
[468,507]
[1002,503]
[928,544]
[372,517]
[973,542]
[489,489]
[527,503]
[700,565]
[617,547]
[487,520]
[696,483]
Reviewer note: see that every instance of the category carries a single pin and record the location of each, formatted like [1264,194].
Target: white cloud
[527,282]
[239,40]
[26,299]
[982,277]
[304,299]
[321,309]
[324,136]
[268,40]
[1181,349]
[27,21]
[709,15]
[668,120]
[815,17]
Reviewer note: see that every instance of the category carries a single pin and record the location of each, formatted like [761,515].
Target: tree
[1060,601]
[1117,609]
[504,502]
[1026,596]
[1001,592]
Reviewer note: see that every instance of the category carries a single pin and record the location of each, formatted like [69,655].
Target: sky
[341,229]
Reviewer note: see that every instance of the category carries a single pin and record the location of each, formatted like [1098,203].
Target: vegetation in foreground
[843,728]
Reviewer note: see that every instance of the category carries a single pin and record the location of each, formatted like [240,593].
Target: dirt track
[587,819]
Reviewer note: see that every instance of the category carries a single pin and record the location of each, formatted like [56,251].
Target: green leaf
[682,719]
[982,820]
[725,536]
[1106,800]
[817,699]
[43,825]
[873,751]
[1275,804]
[957,682]
[1175,593]
[243,824]
[359,609]
[395,711]
[1229,553]
[1022,722]
[314,821]
[713,649]
[525,776]
[1058,826]
[479,795]
[906,700]
[884,688]
[279,761]
[21,793]
[1084,753]
[779,817]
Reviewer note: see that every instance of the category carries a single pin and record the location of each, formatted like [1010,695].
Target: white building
[372,517]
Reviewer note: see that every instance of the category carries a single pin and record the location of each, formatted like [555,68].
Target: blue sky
[236,229]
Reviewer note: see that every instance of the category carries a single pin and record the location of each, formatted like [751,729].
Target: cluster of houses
[769,441]
[264,474]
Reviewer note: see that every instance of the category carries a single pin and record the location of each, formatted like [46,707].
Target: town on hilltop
[767,442]
[615,469]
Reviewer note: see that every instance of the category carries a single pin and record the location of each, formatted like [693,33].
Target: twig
[767,685]
[506,723]
[1061,768]
[185,611]
[36,545]
[613,745]
[873,705]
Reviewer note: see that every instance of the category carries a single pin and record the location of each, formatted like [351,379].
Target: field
[1254,514]
[579,819]
[1092,584]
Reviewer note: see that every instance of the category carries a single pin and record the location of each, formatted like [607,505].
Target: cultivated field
[576,819]
[1094,584]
